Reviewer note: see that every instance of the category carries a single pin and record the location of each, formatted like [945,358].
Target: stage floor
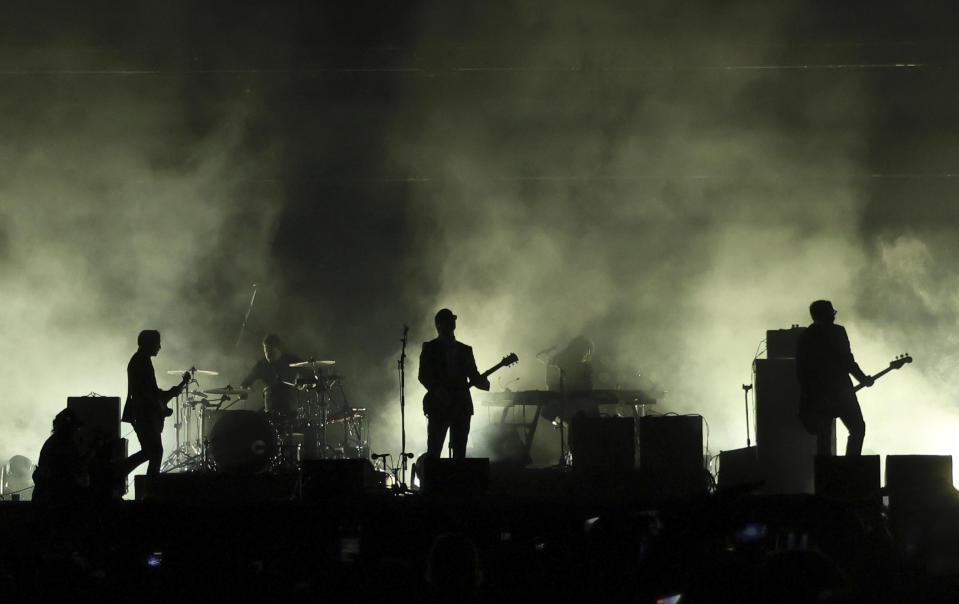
[538,536]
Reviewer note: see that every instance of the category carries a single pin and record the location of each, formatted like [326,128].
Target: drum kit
[312,419]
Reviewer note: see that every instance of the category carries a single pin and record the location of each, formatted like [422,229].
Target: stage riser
[319,480]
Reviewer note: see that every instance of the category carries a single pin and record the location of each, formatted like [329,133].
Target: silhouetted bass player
[823,364]
[447,370]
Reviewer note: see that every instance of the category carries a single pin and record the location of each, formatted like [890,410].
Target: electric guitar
[432,403]
[168,395]
[896,363]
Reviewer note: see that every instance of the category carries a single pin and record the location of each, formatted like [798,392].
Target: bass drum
[242,442]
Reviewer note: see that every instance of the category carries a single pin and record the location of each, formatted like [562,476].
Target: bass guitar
[896,363]
[811,414]
[432,403]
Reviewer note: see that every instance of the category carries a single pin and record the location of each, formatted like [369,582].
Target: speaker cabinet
[671,454]
[922,500]
[782,343]
[100,415]
[786,451]
[605,445]
[918,474]
[739,468]
[99,418]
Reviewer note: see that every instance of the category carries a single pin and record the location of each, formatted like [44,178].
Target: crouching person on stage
[61,477]
[447,370]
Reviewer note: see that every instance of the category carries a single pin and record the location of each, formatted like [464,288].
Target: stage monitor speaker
[739,468]
[671,454]
[605,445]
[100,415]
[671,443]
[908,474]
[99,420]
[335,478]
[453,477]
[215,489]
[921,499]
[853,479]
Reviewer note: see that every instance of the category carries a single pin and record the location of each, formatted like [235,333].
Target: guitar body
[168,395]
[433,403]
[165,399]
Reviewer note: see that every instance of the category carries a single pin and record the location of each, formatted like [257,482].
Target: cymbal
[312,363]
[348,414]
[182,371]
[300,386]
[228,391]
[200,402]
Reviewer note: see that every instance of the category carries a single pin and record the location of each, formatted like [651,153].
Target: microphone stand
[246,318]
[746,389]
[562,417]
[401,367]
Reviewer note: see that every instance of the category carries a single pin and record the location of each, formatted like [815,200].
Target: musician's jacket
[145,401]
[273,375]
[449,364]
[824,362]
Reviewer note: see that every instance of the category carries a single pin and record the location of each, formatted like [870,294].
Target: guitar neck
[492,370]
[875,377]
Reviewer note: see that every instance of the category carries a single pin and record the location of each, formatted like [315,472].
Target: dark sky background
[669,180]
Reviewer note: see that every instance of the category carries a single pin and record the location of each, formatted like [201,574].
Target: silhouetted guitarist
[447,370]
[823,364]
[146,405]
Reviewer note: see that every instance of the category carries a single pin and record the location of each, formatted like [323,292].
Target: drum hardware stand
[324,401]
[355,423]
[321,397]
[181,457]
[206,464]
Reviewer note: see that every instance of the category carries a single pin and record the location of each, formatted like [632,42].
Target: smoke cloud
[116,218]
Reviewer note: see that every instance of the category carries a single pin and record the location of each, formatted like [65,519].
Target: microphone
[379,455]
